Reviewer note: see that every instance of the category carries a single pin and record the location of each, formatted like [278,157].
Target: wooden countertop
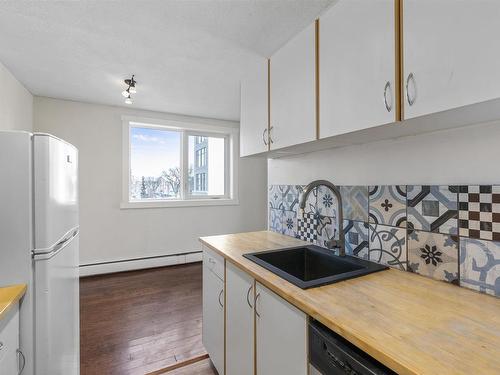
[410,323]
[9,296]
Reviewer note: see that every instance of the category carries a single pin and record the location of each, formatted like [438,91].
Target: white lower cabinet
[213,309]
[239,322]
[11,359]
[248,329]
[281,334]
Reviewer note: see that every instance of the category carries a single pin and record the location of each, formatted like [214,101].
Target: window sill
[181,203]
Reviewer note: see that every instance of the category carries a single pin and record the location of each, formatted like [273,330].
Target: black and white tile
[307,228]
[479,212]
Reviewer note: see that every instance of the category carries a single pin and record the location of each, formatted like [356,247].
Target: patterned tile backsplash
[387,245]
[448,233]
[388,205]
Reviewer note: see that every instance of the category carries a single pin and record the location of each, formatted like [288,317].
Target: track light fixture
[131,89]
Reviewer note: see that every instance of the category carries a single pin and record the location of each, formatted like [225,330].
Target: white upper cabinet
[451,54]
[254,111]
[293,87]
[357,66]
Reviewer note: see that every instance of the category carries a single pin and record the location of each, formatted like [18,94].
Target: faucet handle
[333,244]
[336,244]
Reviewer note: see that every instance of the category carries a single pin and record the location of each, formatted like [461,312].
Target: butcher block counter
[412,324]
[9,296]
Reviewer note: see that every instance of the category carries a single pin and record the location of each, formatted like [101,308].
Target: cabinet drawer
[214,262]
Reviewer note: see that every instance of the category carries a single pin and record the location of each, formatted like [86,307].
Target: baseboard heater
[139,263]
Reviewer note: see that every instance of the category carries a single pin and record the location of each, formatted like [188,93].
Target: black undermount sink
[312,266]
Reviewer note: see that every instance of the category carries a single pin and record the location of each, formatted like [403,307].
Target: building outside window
[201,154]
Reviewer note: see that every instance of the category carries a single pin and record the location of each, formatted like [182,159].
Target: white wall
[16,103]
[109,233]
[469,155]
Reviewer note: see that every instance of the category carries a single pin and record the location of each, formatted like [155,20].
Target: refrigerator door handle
[40,254]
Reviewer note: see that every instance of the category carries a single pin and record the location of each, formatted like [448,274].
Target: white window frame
[186,128]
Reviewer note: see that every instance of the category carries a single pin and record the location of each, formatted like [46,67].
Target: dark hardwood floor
[141,321]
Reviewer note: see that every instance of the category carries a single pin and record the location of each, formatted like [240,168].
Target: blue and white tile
[433,208]
[326,203]
[433,255]
[480,265]
[276,220]
[388,246]
[355,202]
[275,197]
[290,223]
[327,230]
[356,238]
[291,195]
[310,206]
[388,205]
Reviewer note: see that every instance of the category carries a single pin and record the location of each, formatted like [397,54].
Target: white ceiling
[188,55]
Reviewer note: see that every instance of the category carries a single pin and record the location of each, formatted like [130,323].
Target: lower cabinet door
[239,322]
[9,343]
[213,318]
[281,334]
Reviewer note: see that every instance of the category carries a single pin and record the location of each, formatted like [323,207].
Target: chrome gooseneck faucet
[331,244]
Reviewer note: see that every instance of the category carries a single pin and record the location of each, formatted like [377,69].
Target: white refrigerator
[39,246]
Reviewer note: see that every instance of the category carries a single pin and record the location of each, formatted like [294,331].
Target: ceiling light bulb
[126,93]
[128,100]
[132,89]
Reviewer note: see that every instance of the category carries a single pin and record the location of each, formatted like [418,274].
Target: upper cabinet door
[254,135]
[451,55]
[357,66]
[293,99]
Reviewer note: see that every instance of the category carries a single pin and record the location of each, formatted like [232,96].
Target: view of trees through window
[155,164]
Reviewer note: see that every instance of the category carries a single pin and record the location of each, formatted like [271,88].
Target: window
[169,164]
[155,164]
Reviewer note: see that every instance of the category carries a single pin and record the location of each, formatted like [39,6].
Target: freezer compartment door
[55,190]
[57,317]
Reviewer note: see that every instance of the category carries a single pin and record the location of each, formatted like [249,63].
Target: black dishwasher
[331,354]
